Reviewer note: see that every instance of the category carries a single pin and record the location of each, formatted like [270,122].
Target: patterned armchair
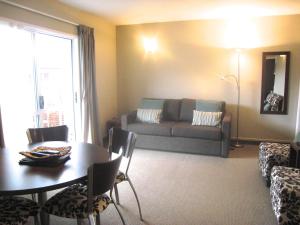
[273,102]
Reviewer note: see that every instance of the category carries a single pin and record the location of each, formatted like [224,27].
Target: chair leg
[123,221]
[137,199]
[117,194]
[36,220]
[98,219]
[44,217]
[91,219]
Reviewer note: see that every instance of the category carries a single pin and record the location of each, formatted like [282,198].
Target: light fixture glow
[241,33]
[234,11]
[150,44]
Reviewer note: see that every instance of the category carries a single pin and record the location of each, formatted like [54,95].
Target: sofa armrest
[226,135]
[127,119]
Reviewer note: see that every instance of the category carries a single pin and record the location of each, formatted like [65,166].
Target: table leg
[42,198]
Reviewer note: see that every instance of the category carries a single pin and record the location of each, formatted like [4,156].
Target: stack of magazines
[46,156]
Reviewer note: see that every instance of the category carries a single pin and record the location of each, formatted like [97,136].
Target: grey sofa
[175,132]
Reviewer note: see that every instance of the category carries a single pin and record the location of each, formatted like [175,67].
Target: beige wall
[189,59]
[105,43]
[191,56]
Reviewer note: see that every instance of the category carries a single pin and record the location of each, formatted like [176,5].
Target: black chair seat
[72,203]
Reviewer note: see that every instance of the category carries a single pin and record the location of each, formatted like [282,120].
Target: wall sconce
[150,44]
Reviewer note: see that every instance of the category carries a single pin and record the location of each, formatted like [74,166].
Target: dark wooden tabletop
[23,179]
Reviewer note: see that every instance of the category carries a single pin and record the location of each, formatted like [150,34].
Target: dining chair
[81,201]
[126,139]
[58,133]
[35,135]
[17,210]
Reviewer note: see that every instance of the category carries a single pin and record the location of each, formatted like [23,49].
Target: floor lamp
[237,81]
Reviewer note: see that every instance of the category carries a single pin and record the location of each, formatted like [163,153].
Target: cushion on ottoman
[272,154]
[285,194]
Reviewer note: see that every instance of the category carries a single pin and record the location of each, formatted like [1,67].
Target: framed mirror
[275,79]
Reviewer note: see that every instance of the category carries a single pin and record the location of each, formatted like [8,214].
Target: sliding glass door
[36,82]
[53,81]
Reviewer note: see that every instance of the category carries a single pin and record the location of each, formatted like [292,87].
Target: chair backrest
[124,139]
[101,178]
[58,133]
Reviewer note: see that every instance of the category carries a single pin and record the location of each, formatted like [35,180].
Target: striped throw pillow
[206,118]
[149,115]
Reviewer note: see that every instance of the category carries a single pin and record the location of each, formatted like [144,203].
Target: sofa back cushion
[171,109]
[210,105]
[151,103]
[181,109]
[186,109]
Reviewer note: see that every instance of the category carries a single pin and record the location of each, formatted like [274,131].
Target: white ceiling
[148,11]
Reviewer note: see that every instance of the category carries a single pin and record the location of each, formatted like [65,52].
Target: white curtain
[1,132]
[90,123]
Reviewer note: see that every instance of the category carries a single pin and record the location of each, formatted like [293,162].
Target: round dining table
[16,179]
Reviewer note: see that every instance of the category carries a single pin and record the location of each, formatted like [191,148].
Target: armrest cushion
[127,119]
[226,134]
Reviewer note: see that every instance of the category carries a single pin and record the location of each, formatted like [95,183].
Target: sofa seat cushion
[161,129]
[185,129]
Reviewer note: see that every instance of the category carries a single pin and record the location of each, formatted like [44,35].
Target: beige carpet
[185,189]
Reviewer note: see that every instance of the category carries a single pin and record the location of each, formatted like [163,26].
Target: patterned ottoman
[285,194]
[272,154]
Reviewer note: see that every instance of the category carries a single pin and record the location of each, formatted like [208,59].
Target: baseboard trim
[256,141]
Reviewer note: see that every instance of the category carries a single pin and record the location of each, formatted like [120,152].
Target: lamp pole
[237,81]
[237,145]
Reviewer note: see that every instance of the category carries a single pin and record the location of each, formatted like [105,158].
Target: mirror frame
[286,84]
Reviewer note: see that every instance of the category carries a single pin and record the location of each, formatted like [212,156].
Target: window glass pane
[16,86]
[54,81]
[36,82]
